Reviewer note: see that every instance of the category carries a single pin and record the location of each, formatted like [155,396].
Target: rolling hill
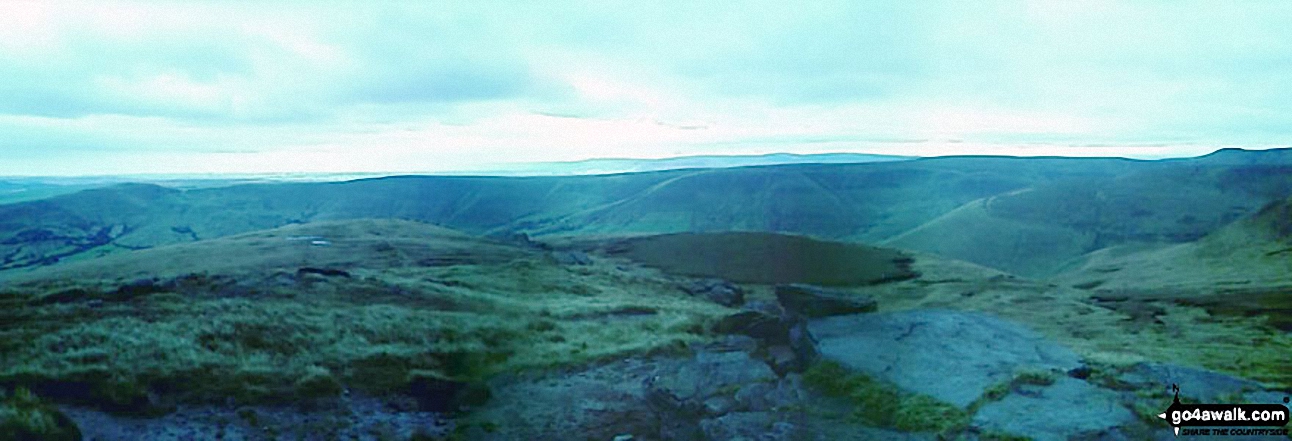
[263,329]
[1024,215]
[1252,252]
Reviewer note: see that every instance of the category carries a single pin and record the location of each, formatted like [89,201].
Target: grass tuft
[881,404]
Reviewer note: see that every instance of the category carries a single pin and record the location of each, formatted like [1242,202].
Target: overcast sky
[158,87]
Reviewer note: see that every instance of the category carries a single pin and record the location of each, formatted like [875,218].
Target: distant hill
[1236,156]
[21,189]
[624,165]
[1028,216]
[1242,270]
[1254,252]
[1034,231]
[341,245]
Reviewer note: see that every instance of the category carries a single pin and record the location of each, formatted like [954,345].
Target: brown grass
[766,258]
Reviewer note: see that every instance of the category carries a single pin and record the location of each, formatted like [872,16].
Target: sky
[91,88]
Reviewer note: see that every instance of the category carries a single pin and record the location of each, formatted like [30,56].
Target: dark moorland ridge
[1029,216]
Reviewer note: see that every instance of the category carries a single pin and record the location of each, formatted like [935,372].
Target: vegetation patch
[767,258]
[273,335]
[878,403]
[24,416]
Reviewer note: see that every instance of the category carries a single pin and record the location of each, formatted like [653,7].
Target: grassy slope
[1074,204]
[865,202]
[971,232]
[11,192]
[239,323]
[1240,270]
[1109,337]
[1245,253]
[1037,231]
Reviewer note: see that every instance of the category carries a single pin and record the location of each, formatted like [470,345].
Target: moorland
[688,303]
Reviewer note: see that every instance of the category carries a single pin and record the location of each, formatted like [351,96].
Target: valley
[674,304]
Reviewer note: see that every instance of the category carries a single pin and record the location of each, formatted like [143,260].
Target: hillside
[1037,230]
[617,165]
[367,304]
[1240,270]
[332,245]
[307,328]
[1253,251]
[764,258]
[1029,215]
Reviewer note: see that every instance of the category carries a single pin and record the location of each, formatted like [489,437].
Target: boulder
[953,356]
[813,301]
[1197,384]
[730,343]
[803,345]
[783,360]
[717,291]
[749,426]
[705,376]
[785,343]
[766,328]
[1067,409]
[577,258]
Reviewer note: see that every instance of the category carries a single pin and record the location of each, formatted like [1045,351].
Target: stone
[803,345]
[577,258]
[814,301]
[708,373]
[717,291]
[1068,409]
[753,397]
[757,324]
[734,342]
[953,356]
[1197,384]
[719,405]
[783,360]
[739,426]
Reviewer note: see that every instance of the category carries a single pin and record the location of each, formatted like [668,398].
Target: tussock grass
[279,340]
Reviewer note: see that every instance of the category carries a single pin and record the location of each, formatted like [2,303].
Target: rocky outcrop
[717,291]
[1201,385]
[813,301]
[953,356]
[1067,409]
[577,258]
[781,339]
[717,393]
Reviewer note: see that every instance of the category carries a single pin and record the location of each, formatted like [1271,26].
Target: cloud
[174,86]
[226,62]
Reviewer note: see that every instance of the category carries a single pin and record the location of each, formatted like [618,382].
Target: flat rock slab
[814,301]
[950,355]
[1067,409]
[1199,384]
